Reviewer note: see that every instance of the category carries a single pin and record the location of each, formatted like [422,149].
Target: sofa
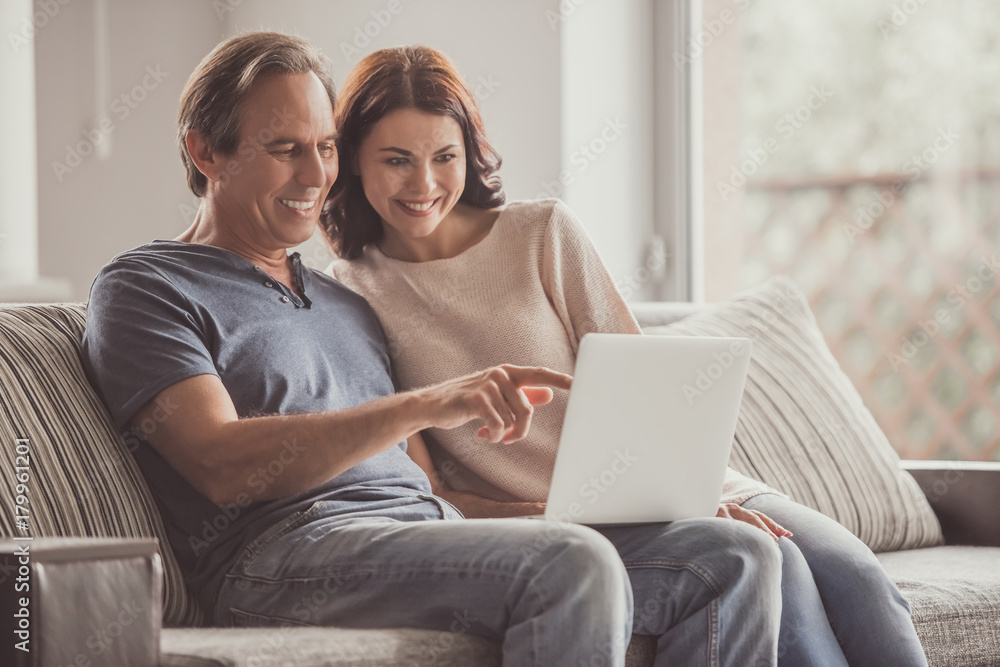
[934,525]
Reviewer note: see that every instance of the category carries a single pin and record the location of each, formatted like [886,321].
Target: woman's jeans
[839,607]
[552,593]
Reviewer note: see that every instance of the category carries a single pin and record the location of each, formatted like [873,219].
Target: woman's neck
[466,227]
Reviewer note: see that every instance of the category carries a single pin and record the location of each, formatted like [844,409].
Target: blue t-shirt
[168,311]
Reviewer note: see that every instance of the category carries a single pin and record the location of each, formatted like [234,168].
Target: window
[866,165]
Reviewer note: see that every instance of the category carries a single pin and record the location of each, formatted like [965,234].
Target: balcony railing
[901,271]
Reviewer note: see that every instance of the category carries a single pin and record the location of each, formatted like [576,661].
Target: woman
[461,281]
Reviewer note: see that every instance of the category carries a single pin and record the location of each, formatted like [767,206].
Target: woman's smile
[419,208]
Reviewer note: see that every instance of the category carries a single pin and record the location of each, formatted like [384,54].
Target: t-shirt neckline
[298,268]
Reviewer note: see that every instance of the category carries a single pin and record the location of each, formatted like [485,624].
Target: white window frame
[677,150]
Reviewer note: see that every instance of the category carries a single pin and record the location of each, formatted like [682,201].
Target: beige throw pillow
[803,428]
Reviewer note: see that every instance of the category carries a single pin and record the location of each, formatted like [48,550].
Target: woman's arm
[586,298]
[574,277]
[471,505]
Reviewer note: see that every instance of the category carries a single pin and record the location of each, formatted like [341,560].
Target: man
[274,443]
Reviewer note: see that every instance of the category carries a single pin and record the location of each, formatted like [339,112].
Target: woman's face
[412,167]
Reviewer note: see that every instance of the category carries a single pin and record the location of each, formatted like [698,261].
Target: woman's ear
[206,161]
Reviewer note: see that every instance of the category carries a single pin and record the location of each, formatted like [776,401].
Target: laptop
[648,428]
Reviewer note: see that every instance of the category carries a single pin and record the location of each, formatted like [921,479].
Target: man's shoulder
[183,265]
[164,255]
[135,267]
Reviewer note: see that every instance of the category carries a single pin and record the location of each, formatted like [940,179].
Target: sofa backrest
[82,478]
[660,313]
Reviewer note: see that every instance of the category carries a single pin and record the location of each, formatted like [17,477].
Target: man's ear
[207,162]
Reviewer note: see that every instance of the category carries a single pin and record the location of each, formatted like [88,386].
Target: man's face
[271,190]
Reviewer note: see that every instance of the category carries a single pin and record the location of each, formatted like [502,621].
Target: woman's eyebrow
[407,153]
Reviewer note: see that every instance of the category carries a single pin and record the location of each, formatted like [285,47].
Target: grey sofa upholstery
[954,590]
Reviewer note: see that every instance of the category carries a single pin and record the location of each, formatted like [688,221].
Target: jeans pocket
[448,511]
[283,527]
[249,619]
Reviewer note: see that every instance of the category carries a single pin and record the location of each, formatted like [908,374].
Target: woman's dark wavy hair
[407,77]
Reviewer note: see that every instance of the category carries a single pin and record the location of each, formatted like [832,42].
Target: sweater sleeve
[577,282]
[585,297]
[738,488]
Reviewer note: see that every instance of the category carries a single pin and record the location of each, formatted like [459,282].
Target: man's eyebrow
[402,151]
[291,140]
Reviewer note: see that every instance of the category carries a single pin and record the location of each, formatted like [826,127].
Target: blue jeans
[709,589]
[551,593]
[839,606]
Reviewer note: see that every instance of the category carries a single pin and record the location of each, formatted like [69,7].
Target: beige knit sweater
[524,295]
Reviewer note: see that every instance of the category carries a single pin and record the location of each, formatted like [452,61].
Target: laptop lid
[648,428]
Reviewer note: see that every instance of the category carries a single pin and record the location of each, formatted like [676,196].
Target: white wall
[607,155]
[18,187]
[104,206]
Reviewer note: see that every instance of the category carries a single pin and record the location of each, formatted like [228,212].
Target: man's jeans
[553,594]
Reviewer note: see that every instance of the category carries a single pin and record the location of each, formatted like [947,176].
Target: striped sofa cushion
[803,428]
[83,481]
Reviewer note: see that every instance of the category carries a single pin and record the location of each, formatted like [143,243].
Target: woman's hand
[754,518]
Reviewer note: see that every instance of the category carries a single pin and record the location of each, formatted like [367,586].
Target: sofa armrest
[965,495]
